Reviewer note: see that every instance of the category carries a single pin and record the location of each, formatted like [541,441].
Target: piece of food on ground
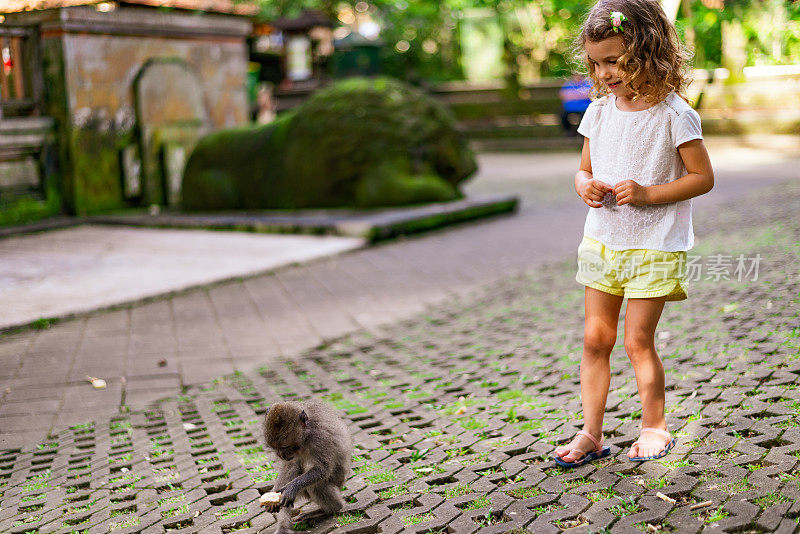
[271,499]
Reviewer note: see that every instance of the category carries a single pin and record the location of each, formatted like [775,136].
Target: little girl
[643,160]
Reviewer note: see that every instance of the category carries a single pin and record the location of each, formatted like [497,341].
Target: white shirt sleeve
[686,127]
[587,122]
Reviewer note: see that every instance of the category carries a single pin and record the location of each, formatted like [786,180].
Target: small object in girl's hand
[609,200]
[271,499]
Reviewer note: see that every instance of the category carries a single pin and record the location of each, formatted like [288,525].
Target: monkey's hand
[289,494]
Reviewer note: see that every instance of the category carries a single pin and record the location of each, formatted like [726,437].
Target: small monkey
[315,452]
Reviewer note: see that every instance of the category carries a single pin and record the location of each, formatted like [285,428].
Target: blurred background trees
[524,41]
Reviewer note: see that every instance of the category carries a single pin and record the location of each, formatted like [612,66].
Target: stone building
[127,88]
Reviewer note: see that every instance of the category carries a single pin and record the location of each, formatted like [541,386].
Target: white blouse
[640,146]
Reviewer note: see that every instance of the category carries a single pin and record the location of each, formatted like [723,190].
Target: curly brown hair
[654,62]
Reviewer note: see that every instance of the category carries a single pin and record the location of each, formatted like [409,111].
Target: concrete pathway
[154,350]
[86,268]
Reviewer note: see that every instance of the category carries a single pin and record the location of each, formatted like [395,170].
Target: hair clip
[617,19]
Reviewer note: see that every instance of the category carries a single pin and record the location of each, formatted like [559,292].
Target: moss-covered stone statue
[359,143]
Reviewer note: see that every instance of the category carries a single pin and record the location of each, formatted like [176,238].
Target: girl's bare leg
[599,337]
[641,319]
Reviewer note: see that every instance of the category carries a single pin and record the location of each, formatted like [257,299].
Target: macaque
[315,451]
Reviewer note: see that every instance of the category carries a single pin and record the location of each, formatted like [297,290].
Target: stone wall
[28,171]
[117,123]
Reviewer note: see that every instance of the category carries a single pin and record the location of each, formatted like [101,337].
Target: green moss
[214,173]
[392,182]
[358,143]
[97,184]
[27,209]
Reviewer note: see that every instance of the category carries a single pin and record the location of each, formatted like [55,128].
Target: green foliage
[771,499]
[626,507]
[602,495]
[713,516]
[423,39]
[525,493]
[418,455]
[472,423]
[480,502]
[379,478]
[418,518]
[366,468]
[457,491]
[271,9]
[393,491]
[347,518]
[771,29]
[359,143]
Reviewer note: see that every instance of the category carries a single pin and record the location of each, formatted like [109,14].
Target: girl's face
[603,56]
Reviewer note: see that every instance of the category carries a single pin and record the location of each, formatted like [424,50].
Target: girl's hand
[629,192]
[592,192]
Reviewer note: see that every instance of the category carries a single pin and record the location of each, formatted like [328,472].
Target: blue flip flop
[599,452]
[671,443]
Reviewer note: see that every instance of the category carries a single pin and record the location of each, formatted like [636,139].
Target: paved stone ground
[456,413]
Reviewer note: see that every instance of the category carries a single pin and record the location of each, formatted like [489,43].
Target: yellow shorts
[635,273]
